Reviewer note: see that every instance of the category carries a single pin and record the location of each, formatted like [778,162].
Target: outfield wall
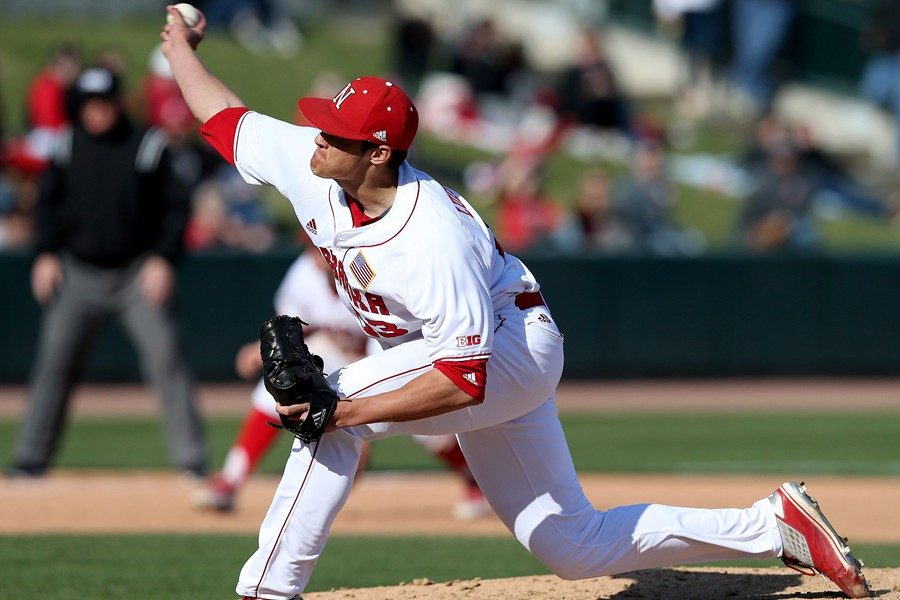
[622,317]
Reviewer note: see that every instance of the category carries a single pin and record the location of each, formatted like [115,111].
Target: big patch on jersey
[362,270]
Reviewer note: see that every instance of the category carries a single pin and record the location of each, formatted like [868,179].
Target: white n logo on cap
[343,95]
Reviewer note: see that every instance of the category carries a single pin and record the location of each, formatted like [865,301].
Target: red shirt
[165,106]
[46,102]
[523,221]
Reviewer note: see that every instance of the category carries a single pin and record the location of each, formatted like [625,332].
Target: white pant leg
[525,471]
[315,485]
[521,374]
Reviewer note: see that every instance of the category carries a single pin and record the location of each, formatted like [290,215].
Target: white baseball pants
[518,454]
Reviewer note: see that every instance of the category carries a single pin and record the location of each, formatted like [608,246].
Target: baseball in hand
[190,14]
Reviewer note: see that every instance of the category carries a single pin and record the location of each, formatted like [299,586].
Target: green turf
[786,443]
[206,566]
[176,567]
[850,444]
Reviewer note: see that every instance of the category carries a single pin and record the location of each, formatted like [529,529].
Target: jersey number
[382,328]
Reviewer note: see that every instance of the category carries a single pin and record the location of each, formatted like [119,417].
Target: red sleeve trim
[469,375]
[220,131]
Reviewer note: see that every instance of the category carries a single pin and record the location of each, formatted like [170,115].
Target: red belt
[527,300]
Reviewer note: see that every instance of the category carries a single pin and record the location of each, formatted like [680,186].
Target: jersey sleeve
[448,291]
[264,150]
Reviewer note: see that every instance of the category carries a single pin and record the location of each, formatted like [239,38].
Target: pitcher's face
[339,158]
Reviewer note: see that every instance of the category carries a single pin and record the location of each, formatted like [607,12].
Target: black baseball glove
[293,375]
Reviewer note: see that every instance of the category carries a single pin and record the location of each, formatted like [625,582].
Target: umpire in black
[111,216]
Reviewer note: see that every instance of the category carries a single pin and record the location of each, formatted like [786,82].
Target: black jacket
[109,199]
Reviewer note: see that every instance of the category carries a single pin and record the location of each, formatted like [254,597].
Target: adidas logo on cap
[380,135]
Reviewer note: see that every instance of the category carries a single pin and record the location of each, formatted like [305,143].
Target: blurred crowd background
[664,127]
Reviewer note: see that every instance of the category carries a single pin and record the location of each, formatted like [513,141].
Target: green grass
[174,567]
[206,566]
[849,444]
[736,443]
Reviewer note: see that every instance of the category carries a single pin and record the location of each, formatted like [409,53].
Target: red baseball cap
[368,108]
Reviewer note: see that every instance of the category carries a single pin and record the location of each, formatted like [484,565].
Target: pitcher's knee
[565,566]
[574,548]
[565,558]
[570,572]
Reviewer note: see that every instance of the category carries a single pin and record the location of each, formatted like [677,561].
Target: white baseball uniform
[428,280]
[335,335]
[308,293]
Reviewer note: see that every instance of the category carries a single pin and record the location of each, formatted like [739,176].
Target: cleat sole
[798,496]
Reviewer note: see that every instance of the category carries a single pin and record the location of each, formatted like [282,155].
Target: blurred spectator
[164,107]
[414,41]
[112,60]
[2,117]
[526,218]
[643,204]
[592,225]
[833,188]
[777,215]
[486,60]
[588,92]
[769,135]
[261,26]
[206,229]
[249,224]
[703,37]
[228,213]
[110,219]
[47,92]
[18,197]
[47,100]
[880,81]
[759,28]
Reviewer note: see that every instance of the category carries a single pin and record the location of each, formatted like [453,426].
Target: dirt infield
[398,504]
[656,584]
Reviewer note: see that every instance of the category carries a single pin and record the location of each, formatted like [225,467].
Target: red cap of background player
[368,108]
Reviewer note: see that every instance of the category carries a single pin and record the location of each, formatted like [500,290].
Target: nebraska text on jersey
[440,276]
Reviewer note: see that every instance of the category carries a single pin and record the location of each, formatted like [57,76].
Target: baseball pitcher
[471,349]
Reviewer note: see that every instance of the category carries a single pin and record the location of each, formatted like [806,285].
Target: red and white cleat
[473,506]
[811,544]
[217,494]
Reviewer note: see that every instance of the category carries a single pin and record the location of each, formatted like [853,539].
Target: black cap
[96,82]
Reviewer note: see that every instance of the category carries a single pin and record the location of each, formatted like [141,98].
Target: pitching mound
[657,584]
